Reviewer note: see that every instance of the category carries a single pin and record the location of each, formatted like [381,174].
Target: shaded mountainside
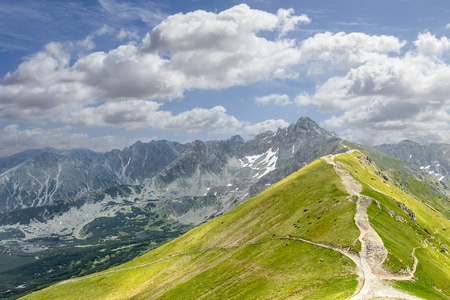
[434,159]
[134,199]
[49,178]
[300,238]
[12,161]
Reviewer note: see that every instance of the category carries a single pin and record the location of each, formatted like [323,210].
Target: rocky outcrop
[433,159]
[233,169]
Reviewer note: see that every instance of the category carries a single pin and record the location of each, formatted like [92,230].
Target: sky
[104,74]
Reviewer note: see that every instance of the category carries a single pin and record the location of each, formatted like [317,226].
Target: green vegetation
[109,241]
[400,233]
[243,253]
[251,251]
[409,179]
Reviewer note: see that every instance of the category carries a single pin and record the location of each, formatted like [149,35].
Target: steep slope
[141,161]
[12,161]
[315,234]
[250,252]
[434,159]
[412,230]
[51,178]
[160,190]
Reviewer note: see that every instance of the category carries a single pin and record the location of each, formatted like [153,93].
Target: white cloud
[447,26]
[198,50]
[427,44]
[391,97]
[341,50]
[126,34]
[289,22]
[280,100]
[224,49]
[133,114]
[264,126]
[88,41]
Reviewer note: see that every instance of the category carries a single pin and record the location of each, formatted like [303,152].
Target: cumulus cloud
[341,50]
[369,82]
[280,100]
[429,45]
[224,49]
[197,50]
[264,126]
[133,114]
[398,97]
[89,43]
[289,22]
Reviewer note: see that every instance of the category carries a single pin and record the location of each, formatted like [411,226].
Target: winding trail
[353,257]
[371,275]
[373,252]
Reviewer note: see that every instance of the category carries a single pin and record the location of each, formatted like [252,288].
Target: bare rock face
[407,210]
[232,170]
[49,179]
[433,159]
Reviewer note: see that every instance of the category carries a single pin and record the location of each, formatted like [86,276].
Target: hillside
[127,202]
[337,228]
[433,159]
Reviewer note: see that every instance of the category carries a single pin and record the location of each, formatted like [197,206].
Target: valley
[368,216]
[275,243]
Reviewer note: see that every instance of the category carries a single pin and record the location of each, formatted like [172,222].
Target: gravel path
[372,276]
[373,253]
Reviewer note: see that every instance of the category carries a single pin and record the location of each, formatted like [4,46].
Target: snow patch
[263,163]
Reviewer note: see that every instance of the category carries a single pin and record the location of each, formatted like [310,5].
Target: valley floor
[300,238]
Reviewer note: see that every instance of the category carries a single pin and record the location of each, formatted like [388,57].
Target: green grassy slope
[251,251]
[428,232]
[410,179]
[240,254]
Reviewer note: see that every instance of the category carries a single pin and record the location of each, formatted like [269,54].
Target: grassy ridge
[400,234]
[311,203]
[247,254]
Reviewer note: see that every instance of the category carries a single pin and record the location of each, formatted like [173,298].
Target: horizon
[205,141]
[102,75]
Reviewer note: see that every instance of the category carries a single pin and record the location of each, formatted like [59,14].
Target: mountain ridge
[294,240]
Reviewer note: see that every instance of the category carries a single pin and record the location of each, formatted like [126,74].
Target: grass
[432,275]
[243,255]
[409,178]
[311,203]
[400,236]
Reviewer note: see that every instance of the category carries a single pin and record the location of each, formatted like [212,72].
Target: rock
[407,210]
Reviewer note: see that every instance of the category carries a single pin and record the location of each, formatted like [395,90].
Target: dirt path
[373,253]
[353,257]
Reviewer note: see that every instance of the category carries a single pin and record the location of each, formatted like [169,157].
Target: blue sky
[103,74]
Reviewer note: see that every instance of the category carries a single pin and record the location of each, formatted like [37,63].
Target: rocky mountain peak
[235,140]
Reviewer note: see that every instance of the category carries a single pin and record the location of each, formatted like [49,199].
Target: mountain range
[342,227]
[159,189]
[46,177]
[434,159]
[104,209]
